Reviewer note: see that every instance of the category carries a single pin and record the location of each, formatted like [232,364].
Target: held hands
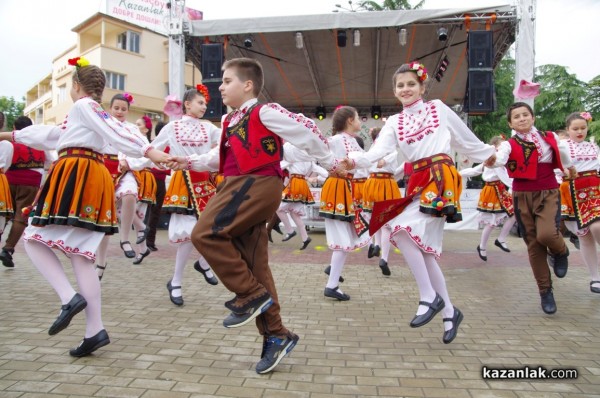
[381,163]
[123,166]
[490,161]
[571,173]
[177,163]
[158,157]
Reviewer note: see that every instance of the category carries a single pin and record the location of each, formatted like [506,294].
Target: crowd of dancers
[103,176]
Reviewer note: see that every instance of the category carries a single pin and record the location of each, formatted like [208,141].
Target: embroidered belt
[493,183]
[356,180]
[587,173]
[300,176]
[425,163]
[380,175]
[111,157]
[81,153]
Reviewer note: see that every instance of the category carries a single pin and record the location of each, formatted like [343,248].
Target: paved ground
[363,347]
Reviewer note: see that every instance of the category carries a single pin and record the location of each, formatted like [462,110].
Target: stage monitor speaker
[481,49]
[480,92]
[215,108]
[212,60]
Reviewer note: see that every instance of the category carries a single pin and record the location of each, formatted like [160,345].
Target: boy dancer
[231,234]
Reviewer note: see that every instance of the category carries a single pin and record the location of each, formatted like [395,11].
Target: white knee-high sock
[101,254]
[183,253]
[376,239]
[415,260]
[508,224]
[287,225]
[127,214]
[485,235]
[2,226]
[89,287]
[205,266]
[48,264]
[386,245]
[300,225]
[439,284]
[587,243]
[338,259]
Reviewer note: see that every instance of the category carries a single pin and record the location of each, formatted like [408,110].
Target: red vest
[251,144]
[25,157]
[523,160]
[24,160]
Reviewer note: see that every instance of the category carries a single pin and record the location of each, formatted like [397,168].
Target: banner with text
[149,14]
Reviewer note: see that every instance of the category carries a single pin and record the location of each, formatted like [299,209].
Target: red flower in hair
[147,122]
[203,90]
[128,97]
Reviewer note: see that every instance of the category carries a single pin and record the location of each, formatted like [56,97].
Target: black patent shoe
[142,235]
[336,294]
[385,270]
[90,344]
[98,266]
[548,303]
[67,312]
[328,270]
[306,243]
[502,245]
[435,307]
[128,253]
[138,260]
[289,236]
[456,319]
[370,251]
[212,280]
[175,300]
[594,289]
[479,250]
[376,251]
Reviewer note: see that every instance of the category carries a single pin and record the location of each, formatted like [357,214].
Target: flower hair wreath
[203,90]
[586,116]
[78,62]
[420,69]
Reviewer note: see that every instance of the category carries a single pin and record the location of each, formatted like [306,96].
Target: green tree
[494,123]
[561,93]
[592,105]
[389,5]
[12,109]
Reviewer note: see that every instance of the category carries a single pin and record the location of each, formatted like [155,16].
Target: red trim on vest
[523,159]
[254,148]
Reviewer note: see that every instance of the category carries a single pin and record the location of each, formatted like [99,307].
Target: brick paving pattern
[363,347]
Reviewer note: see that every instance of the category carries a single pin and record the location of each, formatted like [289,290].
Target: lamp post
[341,7]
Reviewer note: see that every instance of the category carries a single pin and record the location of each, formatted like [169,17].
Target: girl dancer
[424,133]
[344,232]
[580,197]
[495,204]
[6,203]
[188,191]
[76,205]
[296,194]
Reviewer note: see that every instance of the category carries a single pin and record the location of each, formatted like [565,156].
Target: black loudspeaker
[212,60]
[215,108]
[481,49]
[480,92]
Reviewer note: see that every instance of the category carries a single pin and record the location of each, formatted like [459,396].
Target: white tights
[589,252]
[338,259]
[48,264]
[427,273]
[183,253]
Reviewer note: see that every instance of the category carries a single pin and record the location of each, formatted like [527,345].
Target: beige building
[134,59]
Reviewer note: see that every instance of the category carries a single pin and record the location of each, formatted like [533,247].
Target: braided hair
[92,80]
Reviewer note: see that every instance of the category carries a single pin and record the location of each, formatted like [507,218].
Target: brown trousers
[22,196]
[231,234]
[538,215]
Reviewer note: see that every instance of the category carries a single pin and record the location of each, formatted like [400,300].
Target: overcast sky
[33,32]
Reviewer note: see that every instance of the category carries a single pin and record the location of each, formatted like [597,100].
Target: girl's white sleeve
[6,154]
[38,136]
[472,171]
[383,146]
[126,139]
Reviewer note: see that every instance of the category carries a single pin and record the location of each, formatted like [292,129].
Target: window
[62,93]
[116,81]
[129,41]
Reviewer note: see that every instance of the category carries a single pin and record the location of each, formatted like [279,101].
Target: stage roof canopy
[323,74]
